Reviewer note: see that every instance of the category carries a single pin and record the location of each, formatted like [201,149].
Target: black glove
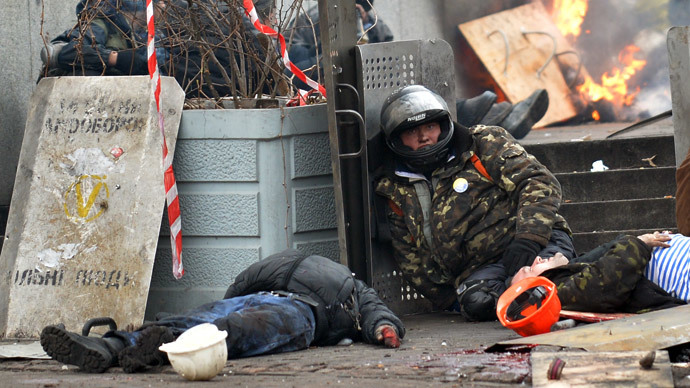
[519,253]
[477,299]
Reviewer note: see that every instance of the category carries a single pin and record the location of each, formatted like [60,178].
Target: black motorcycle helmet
[409,107]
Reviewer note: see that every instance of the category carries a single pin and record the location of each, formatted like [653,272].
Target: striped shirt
[670,267]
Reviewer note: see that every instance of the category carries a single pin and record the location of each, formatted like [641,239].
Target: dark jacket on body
[344,307]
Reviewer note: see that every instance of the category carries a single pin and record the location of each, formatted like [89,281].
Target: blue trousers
[259,323]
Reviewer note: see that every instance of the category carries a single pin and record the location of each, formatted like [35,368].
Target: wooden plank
[591,317]
[641,332]
[527,54]
[602,369]
[677,41]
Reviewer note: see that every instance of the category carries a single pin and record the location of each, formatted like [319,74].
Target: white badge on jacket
[460,185]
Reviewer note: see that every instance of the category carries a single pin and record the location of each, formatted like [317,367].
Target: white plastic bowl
[199,353]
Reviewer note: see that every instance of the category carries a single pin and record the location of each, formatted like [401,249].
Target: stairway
[634,196]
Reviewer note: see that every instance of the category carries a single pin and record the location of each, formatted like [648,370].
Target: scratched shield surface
[87,203]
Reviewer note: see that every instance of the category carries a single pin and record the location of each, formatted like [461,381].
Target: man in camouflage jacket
[476,197]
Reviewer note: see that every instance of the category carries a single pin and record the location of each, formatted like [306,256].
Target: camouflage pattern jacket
[611,279]
[472,218]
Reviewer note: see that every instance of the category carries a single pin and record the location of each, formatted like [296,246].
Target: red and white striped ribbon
[250,11]
[174,217]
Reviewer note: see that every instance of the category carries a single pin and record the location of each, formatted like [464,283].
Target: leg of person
[497,113]
[526,113]
[90,354]
[560,241]
[471,111]
[268,324]
[256,324]
[144,352]
[518,119]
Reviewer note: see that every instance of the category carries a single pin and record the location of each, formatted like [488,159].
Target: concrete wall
[20,26]
[251,183]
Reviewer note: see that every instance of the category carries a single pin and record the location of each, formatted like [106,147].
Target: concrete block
[252,182]
[230,214]
[216,161]
[314,209]
[84,219]
[328,249]
[312,156]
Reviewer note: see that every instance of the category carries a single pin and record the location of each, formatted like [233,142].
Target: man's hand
[363,13]
[388,335]
[656,239]
[519,253]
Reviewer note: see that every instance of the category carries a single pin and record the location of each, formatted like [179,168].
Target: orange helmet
[529,306]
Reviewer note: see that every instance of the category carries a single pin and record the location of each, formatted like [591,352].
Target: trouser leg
[256,324]
[267,324]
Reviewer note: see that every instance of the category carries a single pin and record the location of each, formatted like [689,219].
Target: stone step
[587,241]
[659,182]
[655,213]
[623,153]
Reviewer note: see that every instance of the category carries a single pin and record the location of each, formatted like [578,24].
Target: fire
[614,86]
[568,16]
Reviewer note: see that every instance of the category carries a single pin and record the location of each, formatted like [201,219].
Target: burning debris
[555,44]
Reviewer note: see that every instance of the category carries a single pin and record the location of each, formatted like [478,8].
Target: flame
[569,15]
[614,86]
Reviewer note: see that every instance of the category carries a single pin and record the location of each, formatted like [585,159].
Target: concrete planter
[251,182]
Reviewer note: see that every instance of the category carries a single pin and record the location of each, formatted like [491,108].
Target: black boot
[145,353]
[526,113]
[496,114]
[471,111]
[90,354]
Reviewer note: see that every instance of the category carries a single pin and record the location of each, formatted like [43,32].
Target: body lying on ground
[627,275]
[285,302]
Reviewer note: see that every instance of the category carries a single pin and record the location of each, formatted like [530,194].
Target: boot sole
[145,353]
[60,345]
[536,111]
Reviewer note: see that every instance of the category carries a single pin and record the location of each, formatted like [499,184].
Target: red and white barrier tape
[250,11]
[174,218]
